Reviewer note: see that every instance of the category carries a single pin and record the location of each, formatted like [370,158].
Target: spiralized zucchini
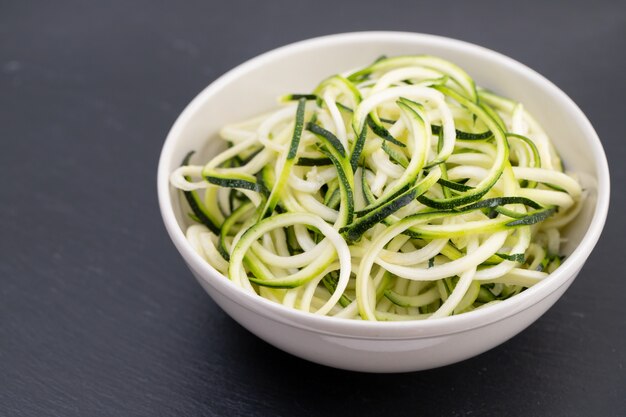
[399,191]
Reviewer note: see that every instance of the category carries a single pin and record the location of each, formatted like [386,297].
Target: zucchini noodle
[399,191]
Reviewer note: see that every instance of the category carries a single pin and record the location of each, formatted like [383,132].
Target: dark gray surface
[98,314]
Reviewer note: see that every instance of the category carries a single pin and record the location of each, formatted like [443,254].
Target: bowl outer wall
[380,355]
[324,53]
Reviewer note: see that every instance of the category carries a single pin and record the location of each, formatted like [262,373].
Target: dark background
[100,317]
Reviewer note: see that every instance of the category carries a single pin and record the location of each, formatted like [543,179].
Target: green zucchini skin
[200,213]
[357,149]
[466,135]
[292,152]
[335,151]
[383,133]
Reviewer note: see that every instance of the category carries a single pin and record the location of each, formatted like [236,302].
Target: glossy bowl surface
[253,87]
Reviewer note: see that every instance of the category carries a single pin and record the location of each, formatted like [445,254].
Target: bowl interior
[253,88]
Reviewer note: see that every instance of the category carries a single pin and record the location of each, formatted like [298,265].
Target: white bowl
[253,87]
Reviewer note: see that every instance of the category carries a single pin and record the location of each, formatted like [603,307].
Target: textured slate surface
[98,314]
